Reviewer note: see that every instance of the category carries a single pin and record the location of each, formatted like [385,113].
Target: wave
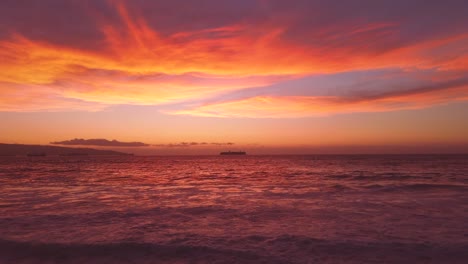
[63,170]
[254,249]
[398,176]
[417,187]
[125,252]
[384,177]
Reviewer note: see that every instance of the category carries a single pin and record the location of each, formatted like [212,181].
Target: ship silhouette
[36,154]
[233,153]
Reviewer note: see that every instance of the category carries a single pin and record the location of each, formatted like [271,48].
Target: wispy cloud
[126,52]
[193,144]
[99,142]
[303,106]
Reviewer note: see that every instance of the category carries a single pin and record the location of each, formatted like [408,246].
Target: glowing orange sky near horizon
[240,80]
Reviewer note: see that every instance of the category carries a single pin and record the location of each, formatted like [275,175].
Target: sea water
[234,209]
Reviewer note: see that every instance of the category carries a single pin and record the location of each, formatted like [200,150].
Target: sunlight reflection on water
[253,203]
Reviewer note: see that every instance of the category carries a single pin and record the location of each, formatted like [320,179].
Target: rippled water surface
[246,209]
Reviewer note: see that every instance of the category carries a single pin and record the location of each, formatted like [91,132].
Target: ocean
[234,209]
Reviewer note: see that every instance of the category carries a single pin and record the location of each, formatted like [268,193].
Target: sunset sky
[267,76]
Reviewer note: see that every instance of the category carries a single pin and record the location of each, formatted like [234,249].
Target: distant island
[44,150]
[233,153]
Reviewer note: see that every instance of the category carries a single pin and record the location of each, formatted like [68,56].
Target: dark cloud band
[99,142]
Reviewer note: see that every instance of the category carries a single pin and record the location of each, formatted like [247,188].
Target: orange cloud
[33,98]
[120,88]
[303,106]
[201,63]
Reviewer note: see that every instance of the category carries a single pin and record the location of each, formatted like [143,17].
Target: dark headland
[44,150]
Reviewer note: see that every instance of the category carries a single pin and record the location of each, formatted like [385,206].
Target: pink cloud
[137,60]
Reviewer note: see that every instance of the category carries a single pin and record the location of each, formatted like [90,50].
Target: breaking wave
[126,252]
[281,249]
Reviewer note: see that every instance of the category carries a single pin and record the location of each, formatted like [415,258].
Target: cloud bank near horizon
[233,58]
[99,142]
